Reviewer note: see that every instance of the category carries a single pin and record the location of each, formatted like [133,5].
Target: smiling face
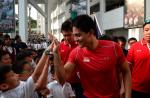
[146,32]
[68,37]
[80,37]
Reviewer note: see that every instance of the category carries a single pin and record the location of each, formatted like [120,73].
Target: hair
[122,38]
[145,24]
[18,67]
[23,54]
[39,55]
[132,38]
[6,37]
[66,26]
[2,53]
[4,69]
[17,37]
[85,23]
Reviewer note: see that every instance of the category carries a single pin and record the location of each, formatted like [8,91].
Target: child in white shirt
[59,88]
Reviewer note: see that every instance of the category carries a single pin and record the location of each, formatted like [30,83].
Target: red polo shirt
[98,69]
[65,50]
[139,58]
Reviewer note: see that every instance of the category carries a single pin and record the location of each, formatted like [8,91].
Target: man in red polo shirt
[99,62]
[139,59]
[66,46]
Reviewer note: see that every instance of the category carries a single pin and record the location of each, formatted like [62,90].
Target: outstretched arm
[42,81]
[66,70]
[39,68]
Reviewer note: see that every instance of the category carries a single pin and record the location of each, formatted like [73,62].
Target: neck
[93,44]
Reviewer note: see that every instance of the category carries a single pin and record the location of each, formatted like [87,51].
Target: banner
[134,13]
[7,16]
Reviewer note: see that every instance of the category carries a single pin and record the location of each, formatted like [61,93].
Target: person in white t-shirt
[11,87]
[59,88]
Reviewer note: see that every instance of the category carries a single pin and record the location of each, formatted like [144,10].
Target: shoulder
[137,45]
[106,42]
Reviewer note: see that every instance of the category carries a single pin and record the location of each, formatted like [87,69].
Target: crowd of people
[80,66]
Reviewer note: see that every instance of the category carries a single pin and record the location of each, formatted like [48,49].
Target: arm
[39,68]
[66,70]
[126,79]
[42,81]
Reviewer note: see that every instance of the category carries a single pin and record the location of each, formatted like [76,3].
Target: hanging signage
[134,13]
[7,16]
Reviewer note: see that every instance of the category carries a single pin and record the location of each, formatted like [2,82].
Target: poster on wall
[134,13]
[77,7]
[7,16]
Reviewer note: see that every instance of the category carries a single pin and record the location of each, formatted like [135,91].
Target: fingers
[56,42]
[51,37]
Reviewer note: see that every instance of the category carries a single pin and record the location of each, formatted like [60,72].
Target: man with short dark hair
[139,60]
[99,62]
[66,46]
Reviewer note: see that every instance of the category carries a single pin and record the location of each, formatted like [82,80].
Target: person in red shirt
[66,46]
[99,62]
[139,59]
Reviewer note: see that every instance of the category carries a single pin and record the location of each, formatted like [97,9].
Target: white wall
[113,19]
[58,16]
[147,9]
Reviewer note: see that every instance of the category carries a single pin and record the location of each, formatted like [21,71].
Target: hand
[44,92]
[56,44]
[51,37]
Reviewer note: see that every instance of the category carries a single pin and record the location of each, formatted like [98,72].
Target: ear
[91,32]
[4,86]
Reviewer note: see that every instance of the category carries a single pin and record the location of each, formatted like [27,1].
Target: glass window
[112,4]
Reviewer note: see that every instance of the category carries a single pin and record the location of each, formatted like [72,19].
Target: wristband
[47,52]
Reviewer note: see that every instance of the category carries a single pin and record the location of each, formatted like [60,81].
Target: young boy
[11,86]
[23,69]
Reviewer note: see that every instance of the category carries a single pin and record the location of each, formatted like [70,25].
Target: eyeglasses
[147,21]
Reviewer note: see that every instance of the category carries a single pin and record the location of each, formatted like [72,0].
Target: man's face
[80,37]
[68,37]
[131,42]
[121,44]
[146,32]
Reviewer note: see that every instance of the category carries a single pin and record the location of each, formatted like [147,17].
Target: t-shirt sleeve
[73,55]
[29,87]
